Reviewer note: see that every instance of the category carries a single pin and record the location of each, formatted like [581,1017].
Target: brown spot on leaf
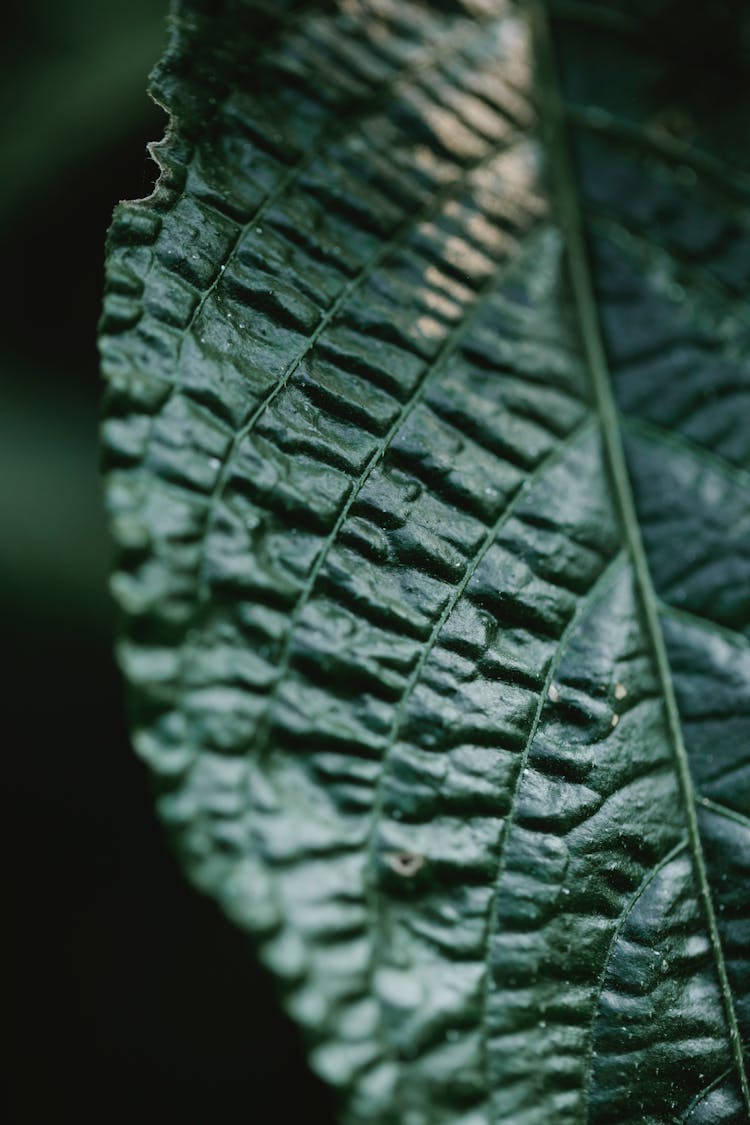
[405,864]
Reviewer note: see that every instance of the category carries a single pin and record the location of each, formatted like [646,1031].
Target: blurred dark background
[131,998]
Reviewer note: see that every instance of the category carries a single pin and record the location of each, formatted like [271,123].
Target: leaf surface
[428,447]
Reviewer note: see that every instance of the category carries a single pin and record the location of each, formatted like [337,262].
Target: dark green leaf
[428,451]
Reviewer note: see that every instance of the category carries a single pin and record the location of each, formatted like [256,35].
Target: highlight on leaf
[427,448]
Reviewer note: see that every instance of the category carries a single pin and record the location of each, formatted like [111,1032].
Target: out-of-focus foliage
[72,107]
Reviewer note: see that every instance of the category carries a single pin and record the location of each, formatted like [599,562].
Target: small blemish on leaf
[620,691]
[614,720]
[405,864]
[553,693]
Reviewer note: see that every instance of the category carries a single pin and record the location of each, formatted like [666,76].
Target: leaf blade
[364,517]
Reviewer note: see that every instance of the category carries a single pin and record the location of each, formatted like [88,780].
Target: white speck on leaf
[406,864]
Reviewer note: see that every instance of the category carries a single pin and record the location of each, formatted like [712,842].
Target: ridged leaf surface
[427,445]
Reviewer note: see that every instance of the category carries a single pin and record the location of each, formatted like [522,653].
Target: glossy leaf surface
[428,452]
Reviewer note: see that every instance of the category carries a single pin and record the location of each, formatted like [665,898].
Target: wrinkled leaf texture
[427,445]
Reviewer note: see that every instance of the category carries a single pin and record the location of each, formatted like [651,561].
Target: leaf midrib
[563,184]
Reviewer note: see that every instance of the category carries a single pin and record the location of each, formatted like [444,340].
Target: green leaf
[428,450]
